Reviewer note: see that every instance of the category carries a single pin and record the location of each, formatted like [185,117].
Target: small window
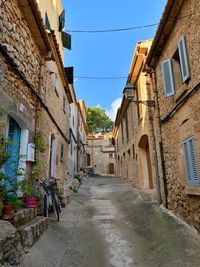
[190,162]
[133,149]
[168,77]
[111,156]
[71,150]
[62,152]
[47,23]
[64,104]
[139,105]
[56,86]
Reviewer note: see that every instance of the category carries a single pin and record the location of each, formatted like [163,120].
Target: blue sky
[106,54]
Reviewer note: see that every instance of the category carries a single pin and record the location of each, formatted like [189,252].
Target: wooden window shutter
[69,71]
[66,40]
[62,20]
[183,59]
[168,77]
[190,161]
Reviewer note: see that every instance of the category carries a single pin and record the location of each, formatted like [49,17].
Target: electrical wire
[130,28]
[114,30]
[100,78]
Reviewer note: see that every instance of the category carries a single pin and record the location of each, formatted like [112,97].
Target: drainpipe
[155,154]
[158,126]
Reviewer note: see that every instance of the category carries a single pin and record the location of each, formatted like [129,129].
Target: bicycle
[51,199]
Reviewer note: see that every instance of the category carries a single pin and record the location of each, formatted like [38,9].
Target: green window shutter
[62,20]
[47,23]
[69,71]
[168,77]
[190,162]
[183,59]
[66,40]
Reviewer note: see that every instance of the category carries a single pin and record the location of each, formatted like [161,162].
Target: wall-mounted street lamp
[128,93]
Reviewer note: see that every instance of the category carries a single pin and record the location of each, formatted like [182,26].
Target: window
[47,23]
[133,151]
[127,131]
[62,152]
[190,161]
[71,150]
[139,97]
[56,86]
[111,156]
[175,71]
[64,104]
[122,129]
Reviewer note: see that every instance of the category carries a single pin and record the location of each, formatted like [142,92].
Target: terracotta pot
[31,202]
[8,212]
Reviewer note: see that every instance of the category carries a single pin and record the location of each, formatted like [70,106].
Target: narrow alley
[109,223]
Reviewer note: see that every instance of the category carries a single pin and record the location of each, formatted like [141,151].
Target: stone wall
[47,115]
[184,122]
[11,251]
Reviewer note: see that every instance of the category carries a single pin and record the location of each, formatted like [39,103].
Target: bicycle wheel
[45,206]
[56,208]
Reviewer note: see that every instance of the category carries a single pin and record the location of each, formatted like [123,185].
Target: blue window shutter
[190,162]
[66,40]
[183,59]
[62,20]
[168,77]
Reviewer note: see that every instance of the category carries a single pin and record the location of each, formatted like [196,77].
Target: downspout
[155,154]
[160,141]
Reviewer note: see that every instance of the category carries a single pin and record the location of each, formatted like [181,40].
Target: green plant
[36,168]
[27,188]
[40,145]
[19,203]
[77,176]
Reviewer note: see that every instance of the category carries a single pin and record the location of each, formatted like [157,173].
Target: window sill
[192,191]
[182,90]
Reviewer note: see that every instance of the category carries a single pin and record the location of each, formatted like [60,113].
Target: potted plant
[29,193]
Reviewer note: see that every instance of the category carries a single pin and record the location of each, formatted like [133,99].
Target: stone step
[32,230]
[11,251]
[24,216]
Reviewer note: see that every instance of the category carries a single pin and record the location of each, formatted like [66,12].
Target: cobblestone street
[108,223]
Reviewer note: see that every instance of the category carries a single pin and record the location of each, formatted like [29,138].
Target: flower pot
[31,202]
[8,212]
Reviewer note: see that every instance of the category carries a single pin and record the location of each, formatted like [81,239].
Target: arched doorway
[145,162]
[13,148]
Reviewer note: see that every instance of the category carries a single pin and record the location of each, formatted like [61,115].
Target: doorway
[13,147]
[145,162]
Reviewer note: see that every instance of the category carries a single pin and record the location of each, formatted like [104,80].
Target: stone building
[82,136]
[73,151]
[133,130]
[174,66]
[34,92]
[101,154]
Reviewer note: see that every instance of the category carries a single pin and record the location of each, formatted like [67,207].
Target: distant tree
[98,121]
